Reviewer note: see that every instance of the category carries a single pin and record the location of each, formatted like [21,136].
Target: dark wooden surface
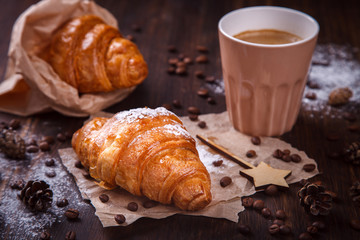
[185,24]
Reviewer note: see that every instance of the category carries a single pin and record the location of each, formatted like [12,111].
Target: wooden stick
[225,152]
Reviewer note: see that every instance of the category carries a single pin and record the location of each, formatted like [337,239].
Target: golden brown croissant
[93,56]
[147,152]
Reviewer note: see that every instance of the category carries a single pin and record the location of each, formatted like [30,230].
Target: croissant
[93,56]
[147,152]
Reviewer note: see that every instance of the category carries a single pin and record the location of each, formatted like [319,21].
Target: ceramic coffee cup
[264,83]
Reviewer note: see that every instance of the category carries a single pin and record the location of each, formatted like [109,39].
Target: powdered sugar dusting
[175,129]
[136,114]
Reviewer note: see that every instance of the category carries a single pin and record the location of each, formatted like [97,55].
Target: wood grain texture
[186,24]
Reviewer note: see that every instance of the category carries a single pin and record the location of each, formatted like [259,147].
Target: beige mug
[264,83]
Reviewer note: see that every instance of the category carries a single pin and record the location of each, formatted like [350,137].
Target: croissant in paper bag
[93,56]
[147,152]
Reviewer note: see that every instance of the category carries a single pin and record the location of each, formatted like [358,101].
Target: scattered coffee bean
[45,235]
[286,152]
[217,163]
[70,235]
[44,146]
[176,103]
[72,213]
[355,224]
[312,84]
[167,106]
[211,100]
[278,154]
[256,140]
[280,214]
[311,95]
[31,141]
[258,204]
[62,202]
[104,198]
[286,158]
[250,154]
[50,174]
[171,48]
[187,60]
[180,71]
[132,206]
[295,158]
[171,70]
[193,117]
[136,27]
[271,190]
[247,202]
[61,137]
[201,48]
[32,149]
[180,64]
[201,59]
[309,167]
[50,162]
[210,79]
[319,224]
[243,228]
[150,204]
[278,222]
[273,229]
[312,229]
[349,116]
[193,110]
[119,218]
[353,127]
[48,139]
[173,61]
[285,229]
[18,185]
[266,212]
[202,92]
[225,181]
[78,164]
[305,236]
[202,124]
[14,124]
[199,74]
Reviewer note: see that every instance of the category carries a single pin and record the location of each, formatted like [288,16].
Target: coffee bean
[349,116]
[150,204]
[167,106]
[305,236]
[119,218]
[312,229]
[309,167]
[319,224]
[132,206]
[193,117]
[217,163]
[312,84]
[72,213]
[61,137]
[271,190]
[176,103]
[32,149]
[259,204]
[45,235]
[199,74]
[44,146]
[256,140]
[225,181]
[171,70]
[280,214]
[173,61]
[14,123]
[130,37]
[78,164]
[273,229]
[104,198]
[210,79]
[278,154]
[135,27]
[243,228]
[278,222]
[180,71]
[311,95]
[286,158]
[355,224]
[250,154]
[31,141]
[353,127]
[70,235]
[180,64]
[295,158]
[48,139]
[68,134]
[286,152]
[210,100]
[201,59]
[187,60]
[201,48]
[50,174]
[50,162]
[193,110]
[171,48]
[266,212]
[202,92]
[285,229]
[202,124]
[62,202]
[247,202]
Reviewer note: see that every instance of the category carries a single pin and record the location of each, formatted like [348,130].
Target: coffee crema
[267,36]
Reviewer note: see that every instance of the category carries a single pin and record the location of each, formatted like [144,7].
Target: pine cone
[11,144]
[355,192]
[315,199]
[352,153]
[340,96]
[36,195]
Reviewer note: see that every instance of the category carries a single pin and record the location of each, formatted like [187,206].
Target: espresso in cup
[267,36]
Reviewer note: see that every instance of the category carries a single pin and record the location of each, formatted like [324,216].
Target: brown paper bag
[31,85]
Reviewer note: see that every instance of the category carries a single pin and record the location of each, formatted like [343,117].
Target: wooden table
[186,24]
